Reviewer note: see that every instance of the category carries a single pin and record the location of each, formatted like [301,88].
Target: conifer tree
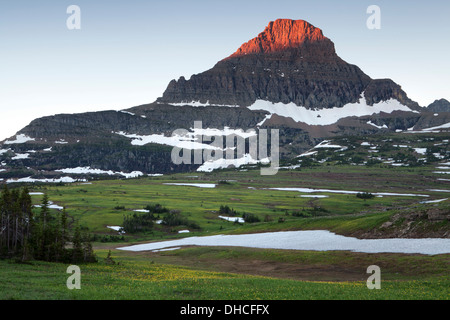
[77,255]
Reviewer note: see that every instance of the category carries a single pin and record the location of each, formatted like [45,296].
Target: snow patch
[308,153]
[20,138]
[317,240]
[309,190]
[377,126]
[200,104]
[223,163]
[328,116]
[188,141]
[444,126]
[20,156]
[313,196]
[325,144]
[199,185]
[88,170]
[173,141]
[167,249]
[127,112]
[434,201]
[233,219]
[54,180]
[420,150]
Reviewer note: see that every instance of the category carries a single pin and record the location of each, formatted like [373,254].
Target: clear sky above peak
[126,52]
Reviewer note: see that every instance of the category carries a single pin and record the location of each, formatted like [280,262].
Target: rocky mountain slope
[288,78]
[291,61]
[440,105]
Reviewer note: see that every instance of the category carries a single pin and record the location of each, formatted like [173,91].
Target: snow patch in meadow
[167,249]
[317,240]
[116,228]
[233,219]
[51,205]
[434,201]
[295,166]
[309,190]
[199,185]
[313,196]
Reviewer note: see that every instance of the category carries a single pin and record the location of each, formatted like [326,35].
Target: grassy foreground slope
[412,201]
[138,277]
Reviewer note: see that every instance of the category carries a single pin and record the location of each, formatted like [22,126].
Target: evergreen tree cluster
[174,218]
[44,236]
[248,217]
[225,209]
[138,222]
[364,195]
[143,222]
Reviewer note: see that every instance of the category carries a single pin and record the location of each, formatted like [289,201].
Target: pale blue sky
[127,51]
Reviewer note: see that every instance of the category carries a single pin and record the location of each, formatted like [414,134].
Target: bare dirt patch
[331,266]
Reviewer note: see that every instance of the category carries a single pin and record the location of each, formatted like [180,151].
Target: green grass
[200,273]
[93,205]
[138,278]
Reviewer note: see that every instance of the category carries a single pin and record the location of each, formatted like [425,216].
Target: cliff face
[284,34]
[290,61]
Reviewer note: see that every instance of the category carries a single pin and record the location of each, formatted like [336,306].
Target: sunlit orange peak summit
[279,35]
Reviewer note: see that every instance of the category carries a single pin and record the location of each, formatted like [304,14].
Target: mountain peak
[280,35]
